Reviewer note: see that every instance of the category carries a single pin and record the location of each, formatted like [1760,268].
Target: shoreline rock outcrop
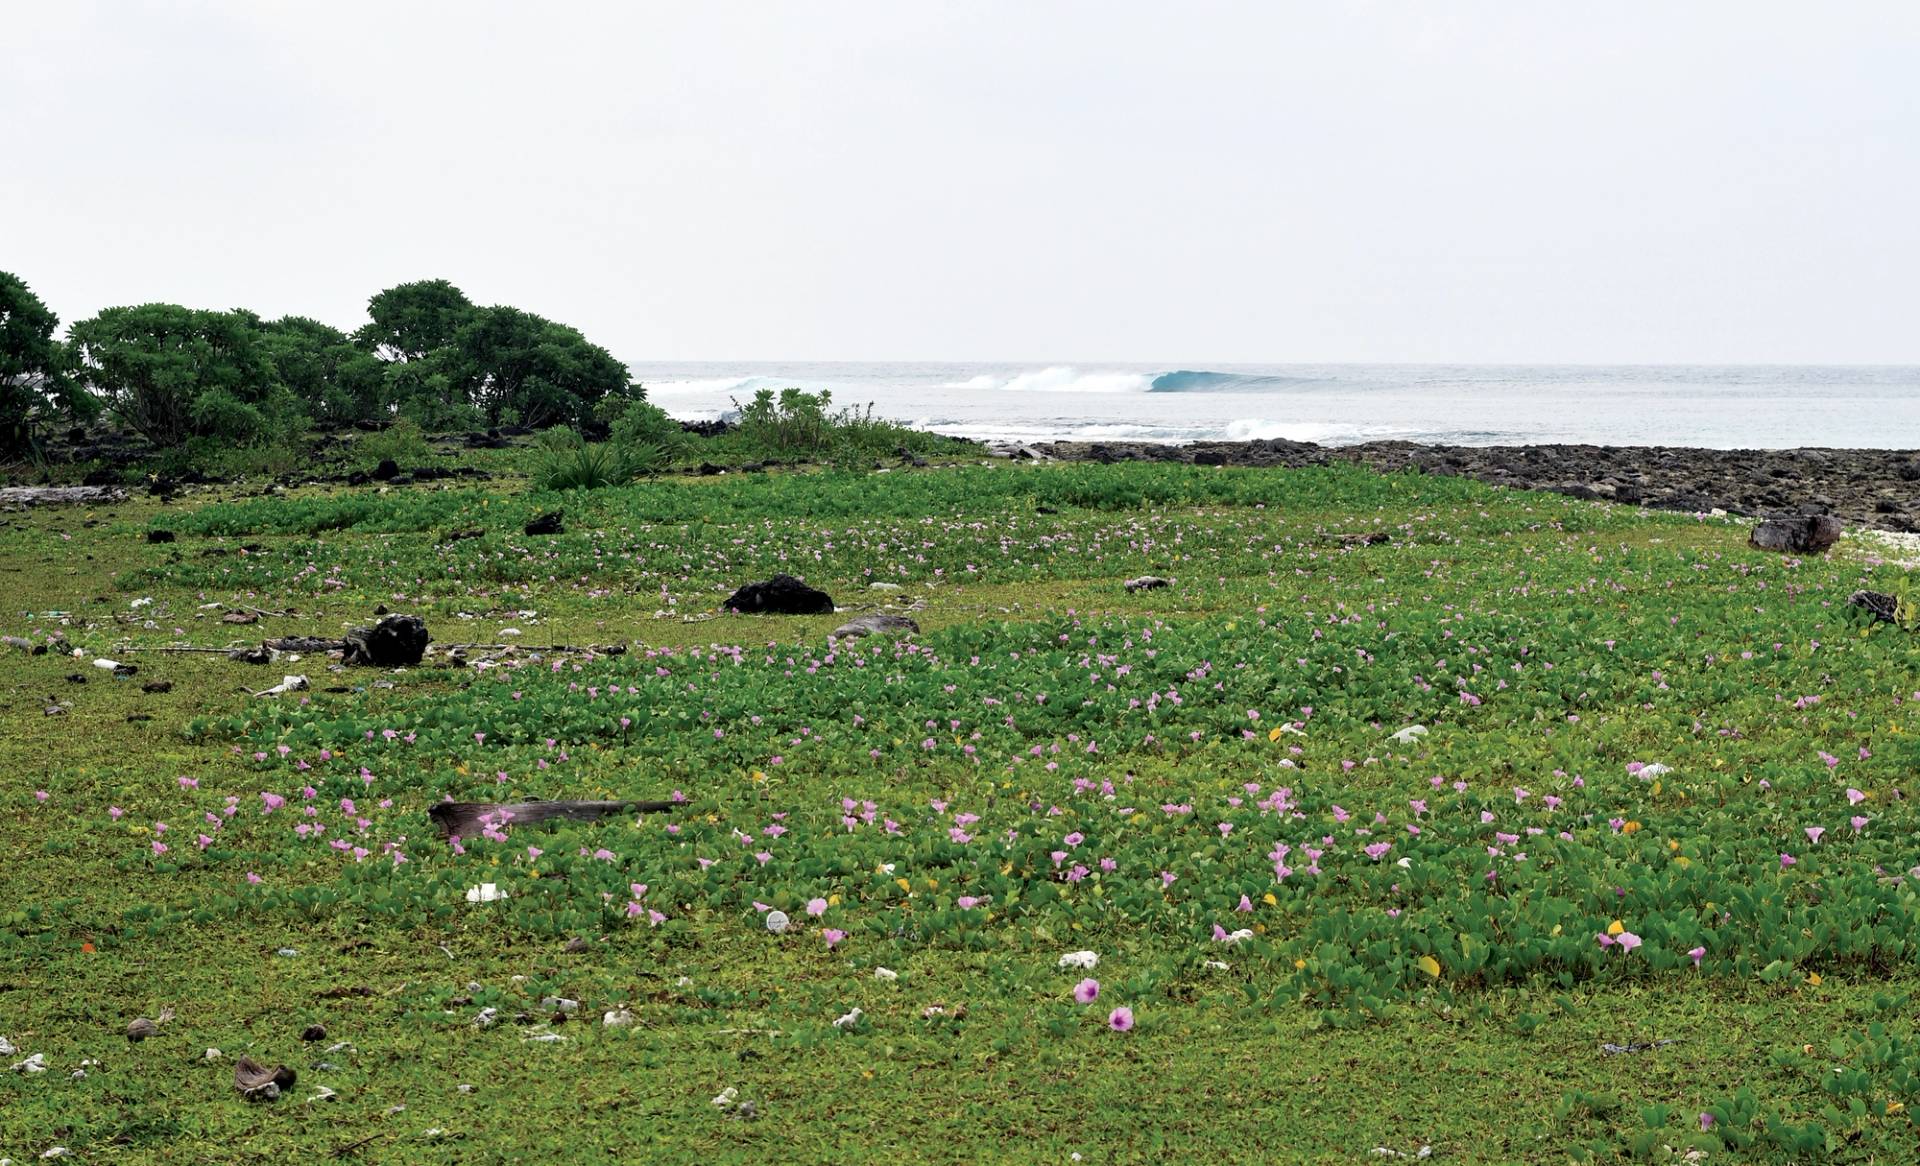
[1877,488]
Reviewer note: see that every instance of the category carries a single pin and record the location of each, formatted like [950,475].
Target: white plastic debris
[559,1004]
[106,665]
[1654,770]
[486,1018]
[849,1020]
[776,921]
[1083,960]
[1217,966]
[287,684]
[1408,735]
[544,1038]
[55,1152]
[1240,936]
[485,893]
[618,1018]
[6,1047]
[37,1063]
[325,1094]
[212,1054]
[725,1098]
[884,587]
[885,974]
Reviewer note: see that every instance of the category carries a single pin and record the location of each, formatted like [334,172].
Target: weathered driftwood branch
[467,819]
[54,495]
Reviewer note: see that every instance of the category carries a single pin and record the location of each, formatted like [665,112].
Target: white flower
[1083,960]
[1405,864]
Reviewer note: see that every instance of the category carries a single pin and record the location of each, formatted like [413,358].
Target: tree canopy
[412,320]
[33,380]
[174,373]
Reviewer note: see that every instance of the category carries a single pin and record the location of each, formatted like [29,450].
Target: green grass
[1372,1005]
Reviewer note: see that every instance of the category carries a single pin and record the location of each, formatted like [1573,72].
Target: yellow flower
[1430,966]
[1269,900]
[1615,927]
[758,776]
[1813,978]
[1299,964]
[833,900]
[904,885]
[1273,734]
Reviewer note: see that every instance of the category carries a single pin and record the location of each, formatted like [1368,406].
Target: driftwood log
[467,819]
[57,495]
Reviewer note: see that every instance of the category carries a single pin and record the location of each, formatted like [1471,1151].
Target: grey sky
[1045,181]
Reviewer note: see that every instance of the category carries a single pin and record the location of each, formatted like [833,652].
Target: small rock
[160,536]
[1147,583]
[1796,534]
[552,522]
[618,1018]
[141,1029]
[576,945]
[314,1032]
[780,595]
[157,686]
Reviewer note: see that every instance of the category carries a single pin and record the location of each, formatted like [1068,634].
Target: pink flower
[1695,954]
[1120,1020]
[252,877]
[832,936]
[816,907]
[1814,833]
[159,847]
[1605,939]
[1858,822]
[1787,860]
[1628,941]
[115,812]
[1855,797]
[1074,839]
[1086,991]
[967,902]
[1246,904]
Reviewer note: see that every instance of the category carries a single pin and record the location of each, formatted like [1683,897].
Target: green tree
[411,320]
[517,365]
[33,367]
[175,373]
[333,378]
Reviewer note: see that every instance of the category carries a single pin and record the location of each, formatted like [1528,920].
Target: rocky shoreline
[1862,487]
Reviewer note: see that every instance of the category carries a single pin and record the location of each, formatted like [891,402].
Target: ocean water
[1714,406]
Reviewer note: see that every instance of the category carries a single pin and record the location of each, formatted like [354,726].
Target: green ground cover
[1663,795]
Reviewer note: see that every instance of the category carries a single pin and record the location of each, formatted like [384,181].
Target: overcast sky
[1148,181]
